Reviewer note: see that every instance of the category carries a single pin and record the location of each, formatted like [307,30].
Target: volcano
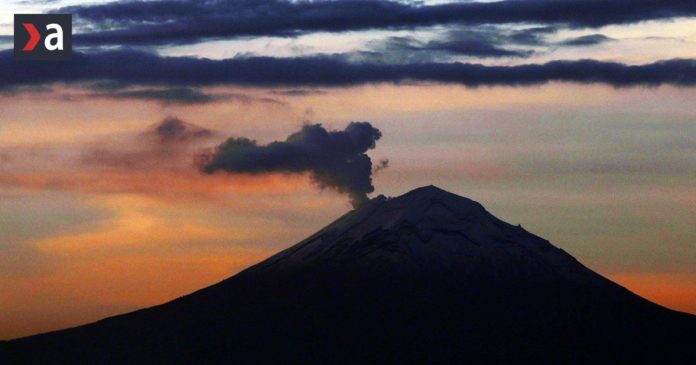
[427,277]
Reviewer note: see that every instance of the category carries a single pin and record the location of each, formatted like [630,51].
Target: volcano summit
[428,277]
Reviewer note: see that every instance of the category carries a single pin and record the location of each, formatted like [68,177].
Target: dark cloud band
[139,68]
[187,21]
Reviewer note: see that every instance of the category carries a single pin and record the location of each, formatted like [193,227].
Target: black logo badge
[46,37]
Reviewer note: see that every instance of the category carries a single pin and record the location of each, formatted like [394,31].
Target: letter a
[58,36]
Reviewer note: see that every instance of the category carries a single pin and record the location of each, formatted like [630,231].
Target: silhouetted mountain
[428,277]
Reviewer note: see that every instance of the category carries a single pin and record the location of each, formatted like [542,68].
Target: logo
[45,37]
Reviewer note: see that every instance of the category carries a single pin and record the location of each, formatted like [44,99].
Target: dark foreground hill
[428,277]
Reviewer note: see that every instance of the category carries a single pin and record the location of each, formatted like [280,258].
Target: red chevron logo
[34,35]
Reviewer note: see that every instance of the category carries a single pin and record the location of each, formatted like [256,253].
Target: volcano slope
[428,277]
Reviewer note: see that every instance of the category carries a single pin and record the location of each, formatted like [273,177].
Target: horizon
[179,146]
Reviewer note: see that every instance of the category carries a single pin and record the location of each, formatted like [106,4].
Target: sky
[187,139]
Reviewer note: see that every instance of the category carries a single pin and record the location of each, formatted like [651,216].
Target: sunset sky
[573,118]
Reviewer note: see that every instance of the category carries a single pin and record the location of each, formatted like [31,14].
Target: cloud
[334,159]
[24,89]
[178,95]
[481,42]
[139,68]
[298,92]
[187,21]
[475,43]
[587,40]
[534,36]
[174,95]
[36,2]
[485,41]
[165,95]
[173,129]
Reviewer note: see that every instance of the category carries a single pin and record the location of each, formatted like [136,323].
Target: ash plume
[334,159]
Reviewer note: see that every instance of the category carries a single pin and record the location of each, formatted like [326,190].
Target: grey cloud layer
[480,42]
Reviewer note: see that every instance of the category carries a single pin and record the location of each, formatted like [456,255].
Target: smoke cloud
[334,159]
[166,145]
